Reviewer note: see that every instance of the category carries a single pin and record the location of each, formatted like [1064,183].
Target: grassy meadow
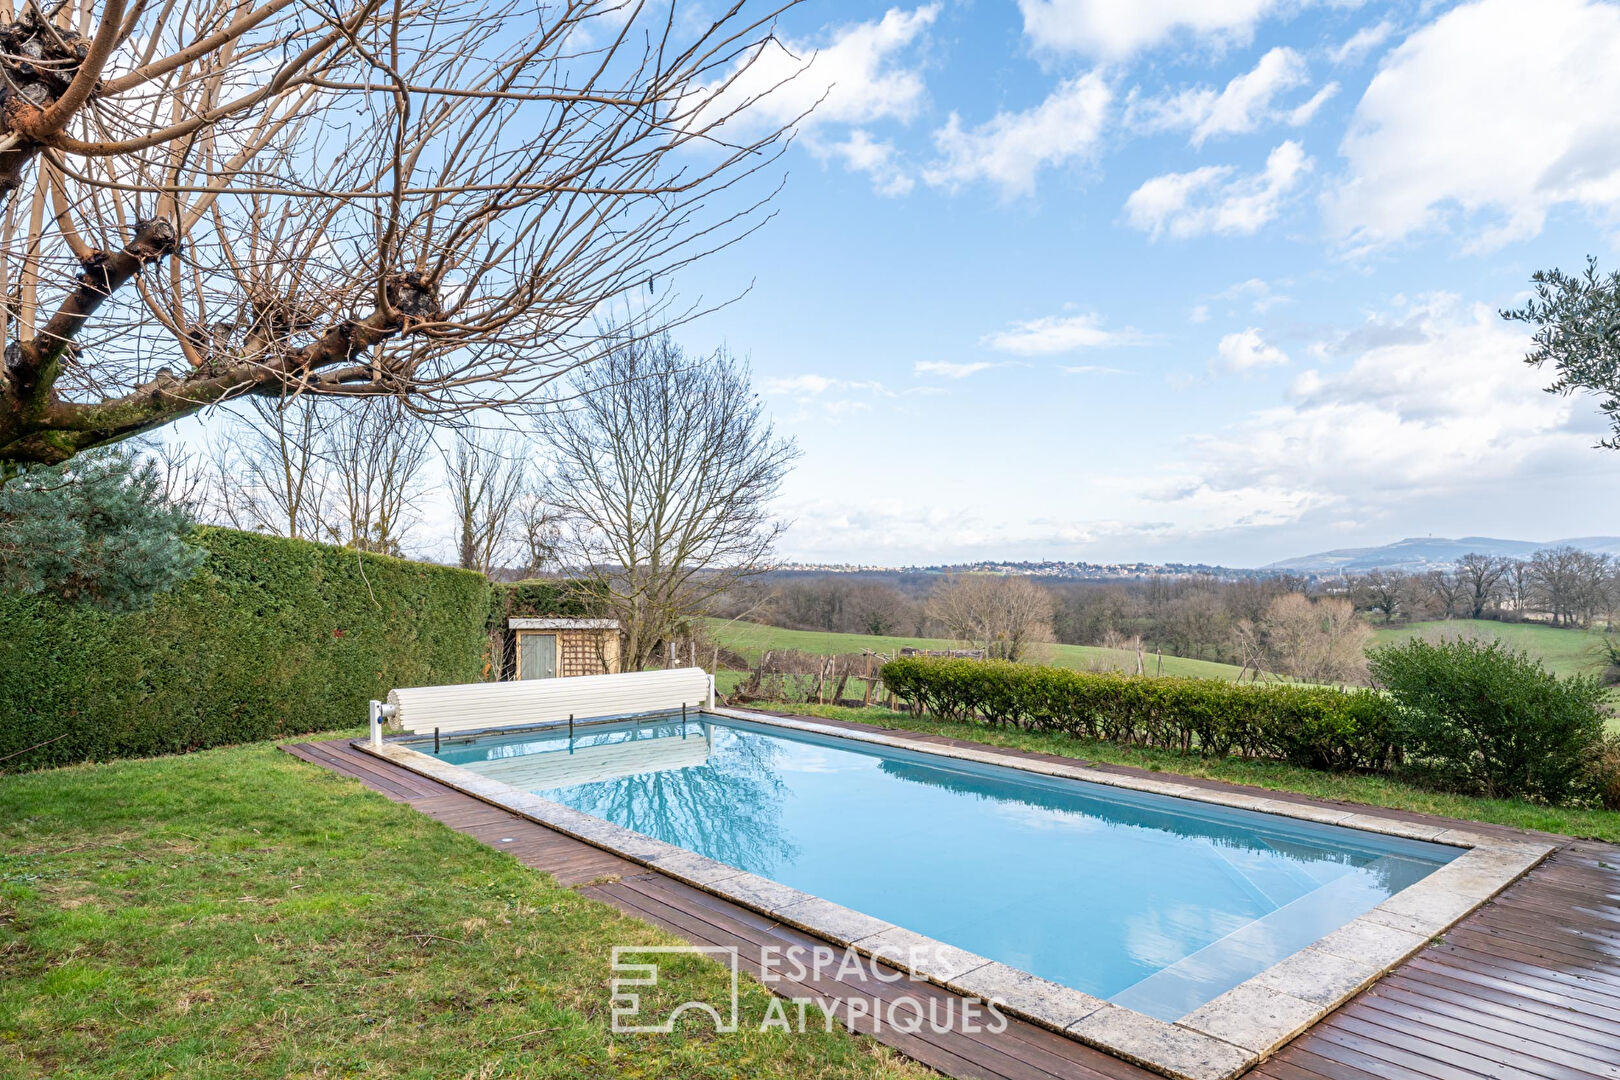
[752,640]
[1564,651]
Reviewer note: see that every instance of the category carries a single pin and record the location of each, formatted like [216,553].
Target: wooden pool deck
[1527,986]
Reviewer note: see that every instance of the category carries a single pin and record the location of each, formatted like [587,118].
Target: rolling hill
[1416,554]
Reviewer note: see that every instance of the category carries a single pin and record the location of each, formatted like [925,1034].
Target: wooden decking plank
[1279,1069]
[364,771]
[1381,1056]
[1535,1025]
[356,763]
[1458,1050]
[1591,988]
[1488,1031]
[1514,988]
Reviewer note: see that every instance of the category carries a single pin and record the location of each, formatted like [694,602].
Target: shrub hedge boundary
[269,638]
[1317,727]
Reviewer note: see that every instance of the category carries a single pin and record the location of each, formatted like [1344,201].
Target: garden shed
[554,647]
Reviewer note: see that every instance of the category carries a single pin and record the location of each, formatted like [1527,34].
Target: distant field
[751,640]
[1564,651]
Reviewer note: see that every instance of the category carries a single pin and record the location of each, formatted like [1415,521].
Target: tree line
[1312,630]
[1563,586]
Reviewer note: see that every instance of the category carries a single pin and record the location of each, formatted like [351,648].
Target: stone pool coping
[1221,1039]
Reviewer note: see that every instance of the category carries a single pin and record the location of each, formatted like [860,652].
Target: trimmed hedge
[270,638]
[1316,727]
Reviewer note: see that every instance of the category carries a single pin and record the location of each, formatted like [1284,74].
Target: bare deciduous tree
[375,452]
[209,199]
[267,474]
[1005,616]
[1316,640]
[663,469]
[485,478]
[539,531]
[1380,591]
[1482,580]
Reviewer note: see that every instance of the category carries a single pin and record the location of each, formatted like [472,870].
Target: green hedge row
[1312,726]
[271,637]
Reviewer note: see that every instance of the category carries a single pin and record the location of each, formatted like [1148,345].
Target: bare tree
[1481,578]
[1447,589]
[1005,616]
[539,531]
[375,453]
[485,478]
[663,469]
[1380,591]
[267,474]
[1559,575]
[1316,640]
[209,199]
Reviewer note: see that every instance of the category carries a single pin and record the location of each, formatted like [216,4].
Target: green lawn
[239,913]
[752,639]
[1564,651]
[1370,790]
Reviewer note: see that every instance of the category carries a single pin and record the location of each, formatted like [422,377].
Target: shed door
[537,656]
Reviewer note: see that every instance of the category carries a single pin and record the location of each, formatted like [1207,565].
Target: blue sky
[1205,280]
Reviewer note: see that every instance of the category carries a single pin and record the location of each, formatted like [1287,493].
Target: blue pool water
[1156,903]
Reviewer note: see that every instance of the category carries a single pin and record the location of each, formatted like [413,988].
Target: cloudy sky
[1209,280]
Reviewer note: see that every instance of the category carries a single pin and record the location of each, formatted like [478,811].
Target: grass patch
[239,913]
[1564,650]
[752,639]
[1275,776]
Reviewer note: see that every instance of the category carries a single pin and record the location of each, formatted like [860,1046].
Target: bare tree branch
[211,199]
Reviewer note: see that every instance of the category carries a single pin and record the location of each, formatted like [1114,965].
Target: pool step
[1172,992]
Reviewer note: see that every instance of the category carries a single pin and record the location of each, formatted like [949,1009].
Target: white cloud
[861,75]
[854,79]
[1113,29]
[1216,199]
[1301,114]
[1262,297]
[796,384]
[1055,334]
[1247,102]
[1498,110]
[1011,147]
[1092,369]
[1436,402]
[1247,351]
[1362,42]
[947,369]
[878,159]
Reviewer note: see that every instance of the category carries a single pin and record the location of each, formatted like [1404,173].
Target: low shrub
[1606,773]
[1312,726]
[1482,717]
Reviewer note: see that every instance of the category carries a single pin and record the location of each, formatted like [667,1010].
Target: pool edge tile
[837,923]
[1039,1000]
[1254,1018]
[1174,1051]
[908,950]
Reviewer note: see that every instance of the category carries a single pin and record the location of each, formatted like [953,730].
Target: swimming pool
[1155,903]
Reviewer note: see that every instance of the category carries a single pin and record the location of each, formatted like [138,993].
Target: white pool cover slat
[477,706]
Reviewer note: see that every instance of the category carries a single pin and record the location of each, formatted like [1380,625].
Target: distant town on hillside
[1411,555]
